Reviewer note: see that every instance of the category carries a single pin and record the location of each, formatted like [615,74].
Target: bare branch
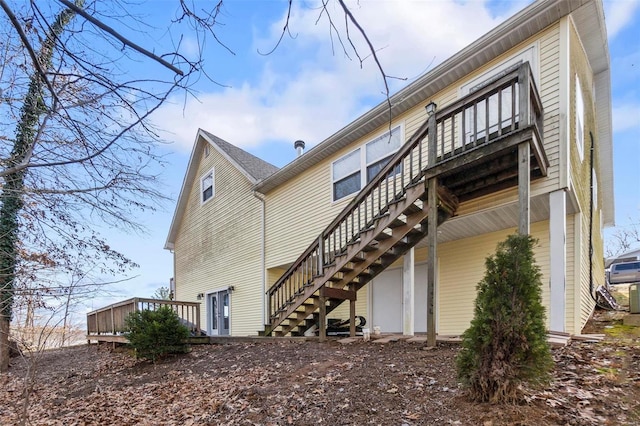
[353,20]
[121,38]
[285,29]
[27,46]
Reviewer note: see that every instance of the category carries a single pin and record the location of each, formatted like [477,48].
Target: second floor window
[206,187]
[351,172]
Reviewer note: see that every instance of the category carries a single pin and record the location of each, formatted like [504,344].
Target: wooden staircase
[390,214]
[388,237]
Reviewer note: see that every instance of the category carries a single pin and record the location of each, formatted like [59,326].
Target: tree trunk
[4,343]
[13,189]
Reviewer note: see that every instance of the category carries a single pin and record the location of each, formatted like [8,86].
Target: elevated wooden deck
[487,141]
[107,324]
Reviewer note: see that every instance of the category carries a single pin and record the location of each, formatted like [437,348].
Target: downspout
[591,150]
[262,254]
[591,218]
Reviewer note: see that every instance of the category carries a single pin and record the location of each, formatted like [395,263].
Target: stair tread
[396,223]
[372,254]
[411,209]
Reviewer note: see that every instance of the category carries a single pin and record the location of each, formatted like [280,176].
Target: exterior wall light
[431,108]
[200,296]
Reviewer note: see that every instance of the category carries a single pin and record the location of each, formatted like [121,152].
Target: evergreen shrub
[154,334]
[506,344]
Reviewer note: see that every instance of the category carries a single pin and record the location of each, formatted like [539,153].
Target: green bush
[506,343]
[154,334]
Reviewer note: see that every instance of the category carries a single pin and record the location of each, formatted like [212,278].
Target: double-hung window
[207,187]
[351,172]
[380,150]
[346,175]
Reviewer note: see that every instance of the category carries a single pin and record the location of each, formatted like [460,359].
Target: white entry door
[219,313]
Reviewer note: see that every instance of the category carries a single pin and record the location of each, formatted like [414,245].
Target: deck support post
[432,237]
[524,188]
[322,332]
[408,287]
[352,317]
[432,225]
[558,259]
[524,151]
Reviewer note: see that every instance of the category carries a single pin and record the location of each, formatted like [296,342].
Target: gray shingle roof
[254,166]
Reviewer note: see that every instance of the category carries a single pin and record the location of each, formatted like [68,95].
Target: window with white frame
[207,186]
[351,172]
[579,119]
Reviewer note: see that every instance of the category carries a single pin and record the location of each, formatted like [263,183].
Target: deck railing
[501,108]
[111,319]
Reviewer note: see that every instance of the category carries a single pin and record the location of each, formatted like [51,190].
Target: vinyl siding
[572,306]
[580,175]
[462,267]
[298,210]
[218,245]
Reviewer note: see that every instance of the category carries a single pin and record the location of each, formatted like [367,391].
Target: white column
[408,293]
[558,259]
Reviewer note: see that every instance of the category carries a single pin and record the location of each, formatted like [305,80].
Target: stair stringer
[367,238]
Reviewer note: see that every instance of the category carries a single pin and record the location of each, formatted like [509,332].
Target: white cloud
[618,14]
[306,92]
[626,117]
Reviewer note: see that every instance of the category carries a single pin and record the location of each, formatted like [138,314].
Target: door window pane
[214,312]
[225,310]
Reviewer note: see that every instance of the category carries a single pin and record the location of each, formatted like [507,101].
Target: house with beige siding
[392,217]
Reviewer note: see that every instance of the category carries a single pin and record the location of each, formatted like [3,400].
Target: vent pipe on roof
[299,146]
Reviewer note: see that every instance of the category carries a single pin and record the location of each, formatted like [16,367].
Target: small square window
[206,187]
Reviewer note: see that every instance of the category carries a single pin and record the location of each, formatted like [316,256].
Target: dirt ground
[309,383]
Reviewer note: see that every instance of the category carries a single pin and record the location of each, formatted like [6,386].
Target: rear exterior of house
[554,53]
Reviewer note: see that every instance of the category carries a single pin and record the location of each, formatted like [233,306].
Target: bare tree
[78,148]
[162,293]
[77,145]
[623,239]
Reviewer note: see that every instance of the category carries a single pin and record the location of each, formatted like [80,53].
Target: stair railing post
[321,254]
[432,224]
[322,334]
[198,329]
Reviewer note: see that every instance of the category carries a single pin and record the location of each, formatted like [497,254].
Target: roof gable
[251,167]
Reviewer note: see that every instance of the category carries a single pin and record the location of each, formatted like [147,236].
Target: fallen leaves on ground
[305,383]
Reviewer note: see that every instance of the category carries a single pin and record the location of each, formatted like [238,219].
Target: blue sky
[307,90]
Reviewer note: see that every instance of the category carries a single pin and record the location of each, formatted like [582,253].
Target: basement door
[219,313]
[387,301]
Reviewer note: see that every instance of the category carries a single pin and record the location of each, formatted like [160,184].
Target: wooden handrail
[520,78]
[111,319]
